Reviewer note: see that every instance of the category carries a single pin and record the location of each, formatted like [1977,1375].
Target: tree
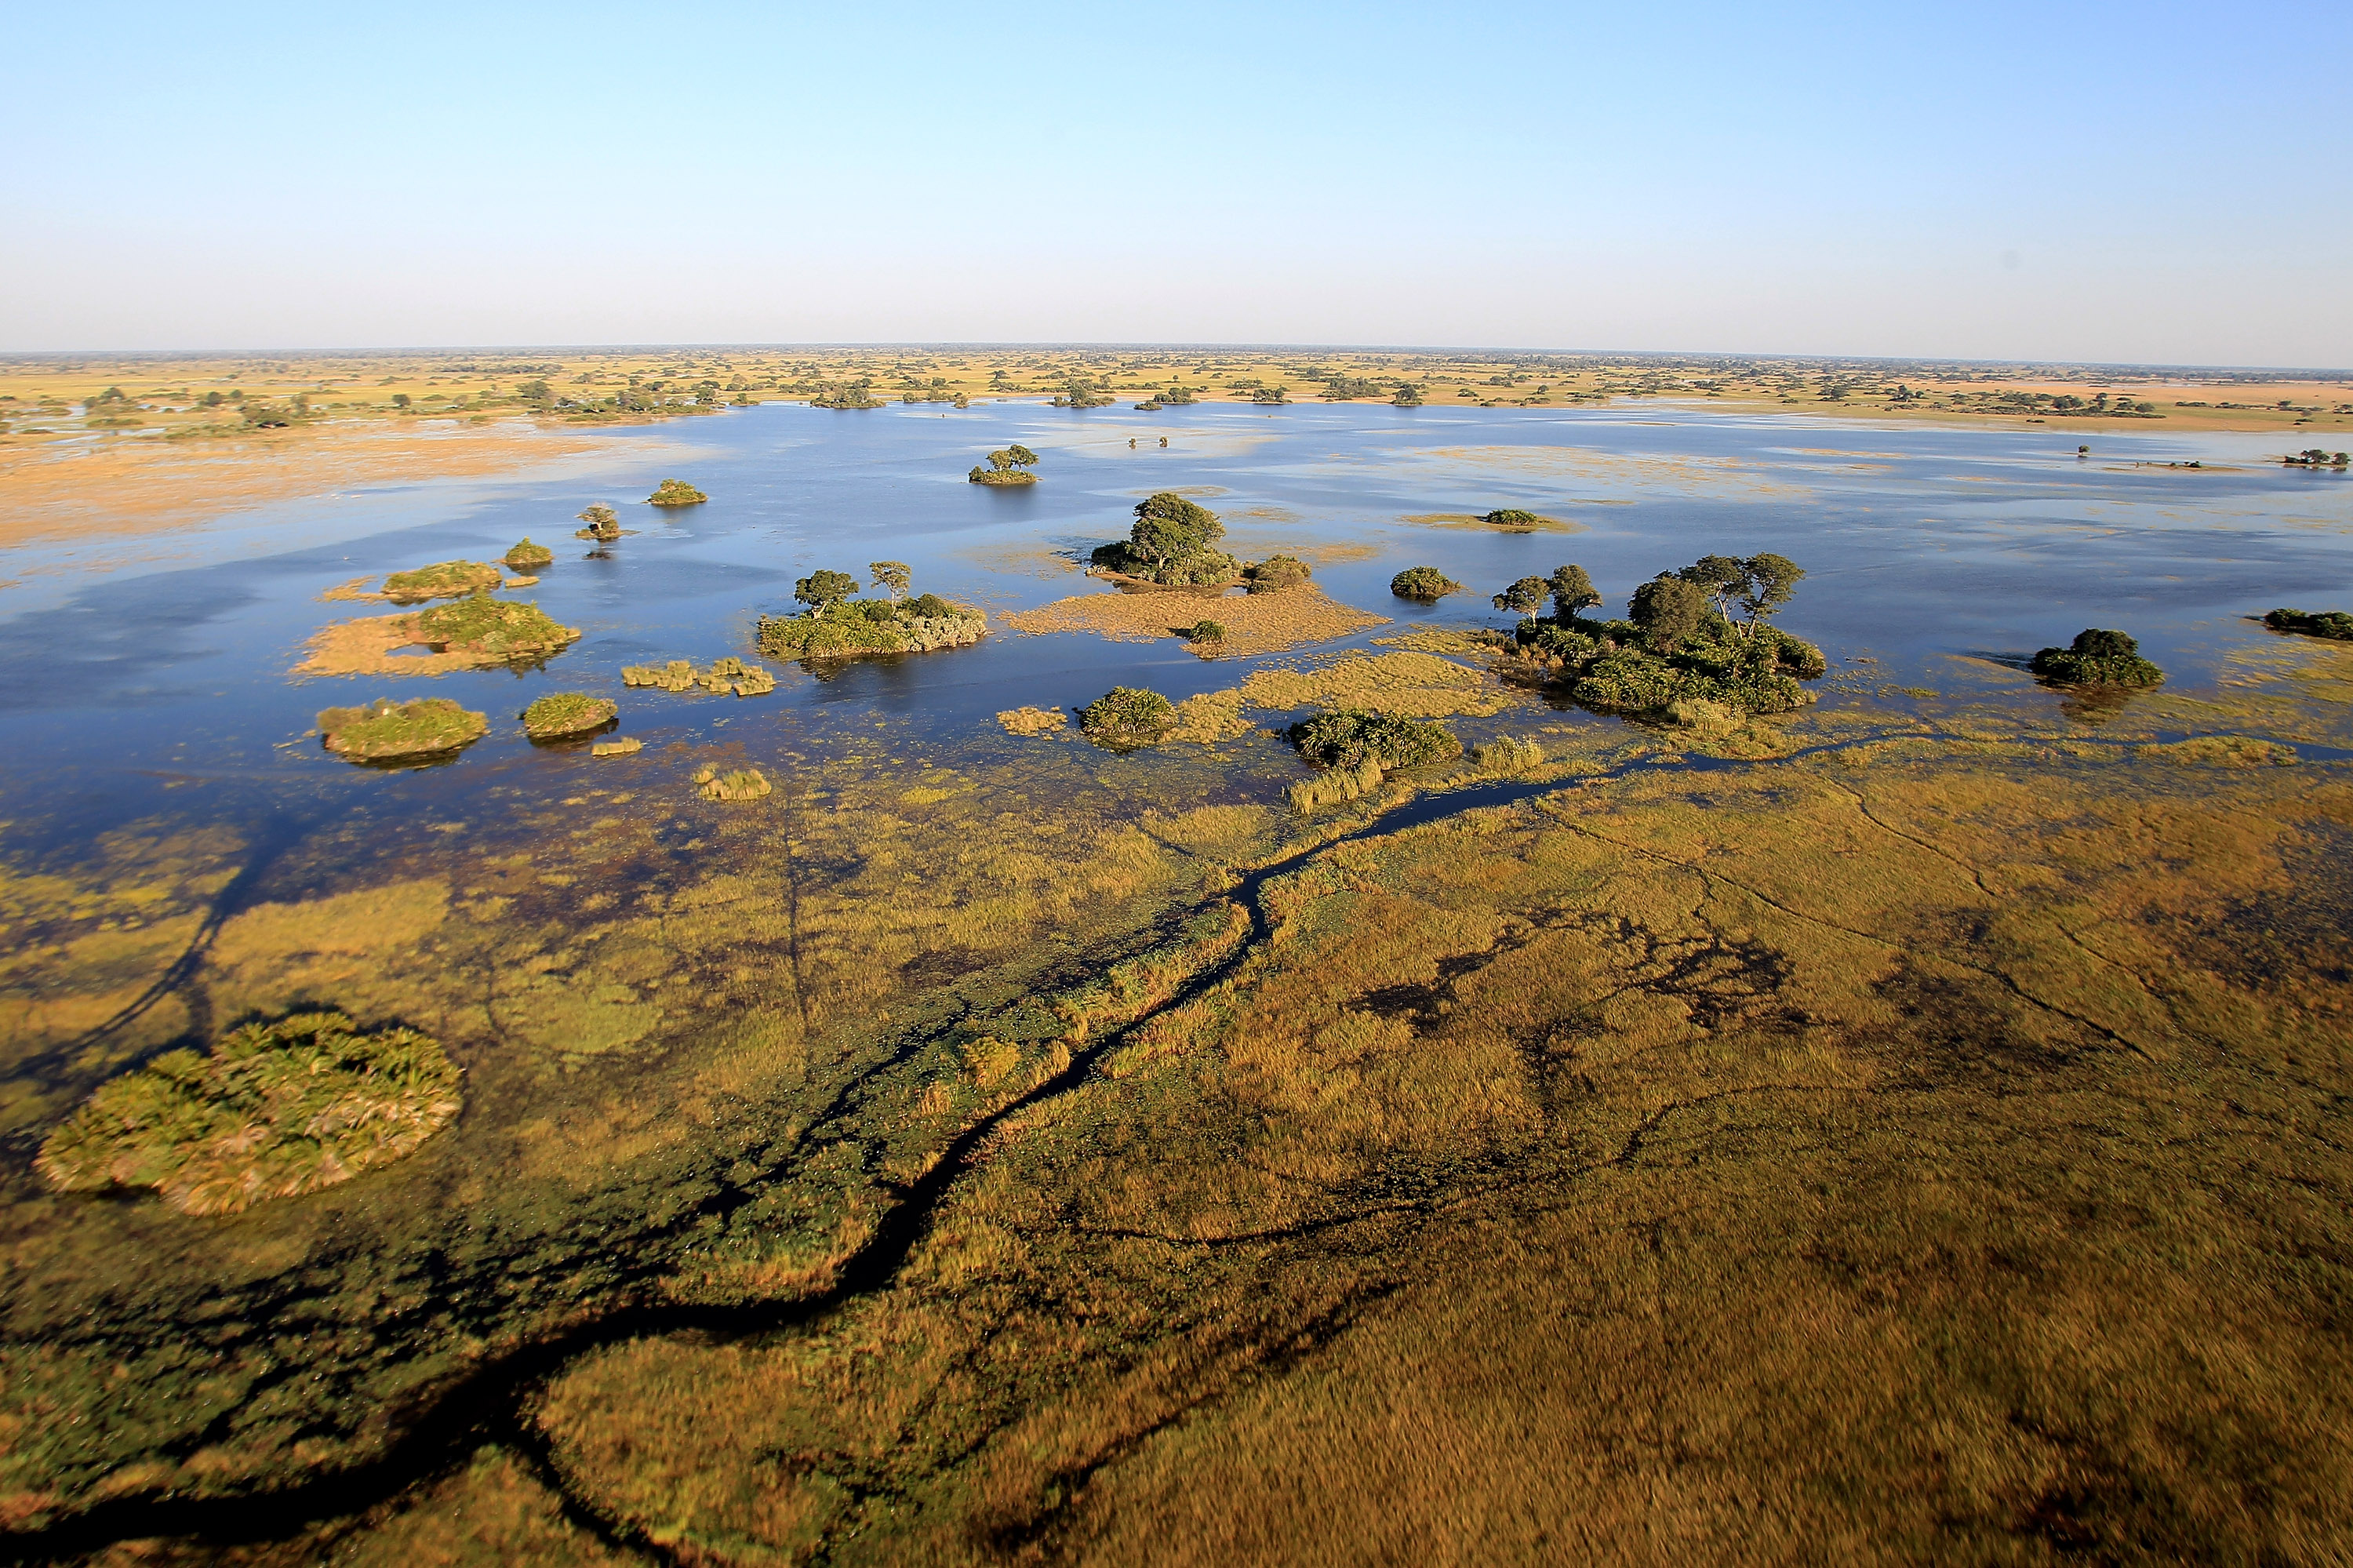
[821,590]
[1572,590]
[1169,527]
[1016,456]
[1771,580]
[1526,596]
[1669,608]
[1723,578]
[891,578]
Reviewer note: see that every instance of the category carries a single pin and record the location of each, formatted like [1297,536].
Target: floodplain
[1908,1126]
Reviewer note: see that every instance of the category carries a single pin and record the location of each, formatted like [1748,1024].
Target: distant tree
[891,578]
[1571,591]
[1409,396]
[822,589]
[1670,611]
[399,400]
[1526,596]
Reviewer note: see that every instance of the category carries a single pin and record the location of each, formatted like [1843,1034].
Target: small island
[565,716]
[1007,465]
[1702,634]
[1126,718]
[604,524]
[443,579]
[2097,658]
[2315,457]
[496,631]
[386,731]
[525,556]
[1426,585]
[1170,545]
[274,1110]
[2335,625]
[1356,748]
[675,493]
[1275,574]
[837,626]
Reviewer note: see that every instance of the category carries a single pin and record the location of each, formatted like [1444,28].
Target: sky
[2150,182]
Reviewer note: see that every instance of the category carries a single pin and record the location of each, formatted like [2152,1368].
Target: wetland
[1666,1036]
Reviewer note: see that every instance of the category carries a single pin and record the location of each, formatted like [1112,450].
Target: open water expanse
[1922,546]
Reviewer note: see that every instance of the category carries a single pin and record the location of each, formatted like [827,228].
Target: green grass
[274,1110]
[526,556]
[503,628]
[560,713]
[386,731]
[444,579]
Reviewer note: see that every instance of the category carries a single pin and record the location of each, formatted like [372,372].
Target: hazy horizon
[2100,186]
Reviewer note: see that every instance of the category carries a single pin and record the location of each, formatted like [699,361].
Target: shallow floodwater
[1923,545]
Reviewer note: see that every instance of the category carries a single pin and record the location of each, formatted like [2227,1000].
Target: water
[1922,544]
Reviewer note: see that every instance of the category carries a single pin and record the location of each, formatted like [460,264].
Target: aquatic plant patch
[1031,721]
[444,579]
[274,1110]
[561,714]
[503,631]
[742,784]
[724,673]
[523,556]
[386,731]
[1126,717]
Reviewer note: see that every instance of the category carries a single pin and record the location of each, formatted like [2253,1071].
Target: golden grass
[1255,623]
[372,646]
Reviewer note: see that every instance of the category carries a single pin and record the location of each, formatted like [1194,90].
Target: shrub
[1508,754]
[1427,584]
[1348,737]
[274,1110]
[1206,631]
[675,493]
[1126,717]
[386,731]
[2097,657]
[1511,517]
[561,714]
[2334,624]
[1276,572]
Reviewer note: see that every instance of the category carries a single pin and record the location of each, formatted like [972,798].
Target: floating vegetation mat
[1034,721]
[742,784]
[1254,623]
[725,673]
[562,713]
[275,1111]
[386,731]
[621,745]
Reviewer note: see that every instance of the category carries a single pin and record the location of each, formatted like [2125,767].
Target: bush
[274,1110]
[675,493]
[1511,517]
[1349,738]
[1427,584]
[2097,657]
[1276,572]
[1126,717]
[2334,624]
[1206,631]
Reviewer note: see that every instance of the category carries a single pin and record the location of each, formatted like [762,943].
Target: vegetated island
[724,673]
[474,633]
[1504,520]
[523,556]
[1679,655]
[1007,465]
[386,731]
[2333,624]
[2315,457]
[443,579]
[675,493]
[274,1110]
[603,524]
[1426,584]
[2097,657]
[566,715]
[1127,718]
[837,626]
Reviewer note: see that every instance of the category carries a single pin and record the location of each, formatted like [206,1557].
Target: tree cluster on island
[1173,543]
[1007,465]
[1702,633]
[2314,456]
[1083,391]
[2333,624]
[1176,395]
[2097,657]
[603,524]
[856,394]
[837,626]
[675,493]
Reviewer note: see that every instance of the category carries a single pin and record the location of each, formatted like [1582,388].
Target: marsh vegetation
[1127,717]
[525,556]
[2335,625]
[676,492]
[1426,585]
[386,731]
[559,716]
[444,580]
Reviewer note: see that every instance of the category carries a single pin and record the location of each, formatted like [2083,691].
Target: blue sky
[2151,183]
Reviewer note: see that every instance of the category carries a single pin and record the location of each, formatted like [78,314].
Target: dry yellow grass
[1255,623]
